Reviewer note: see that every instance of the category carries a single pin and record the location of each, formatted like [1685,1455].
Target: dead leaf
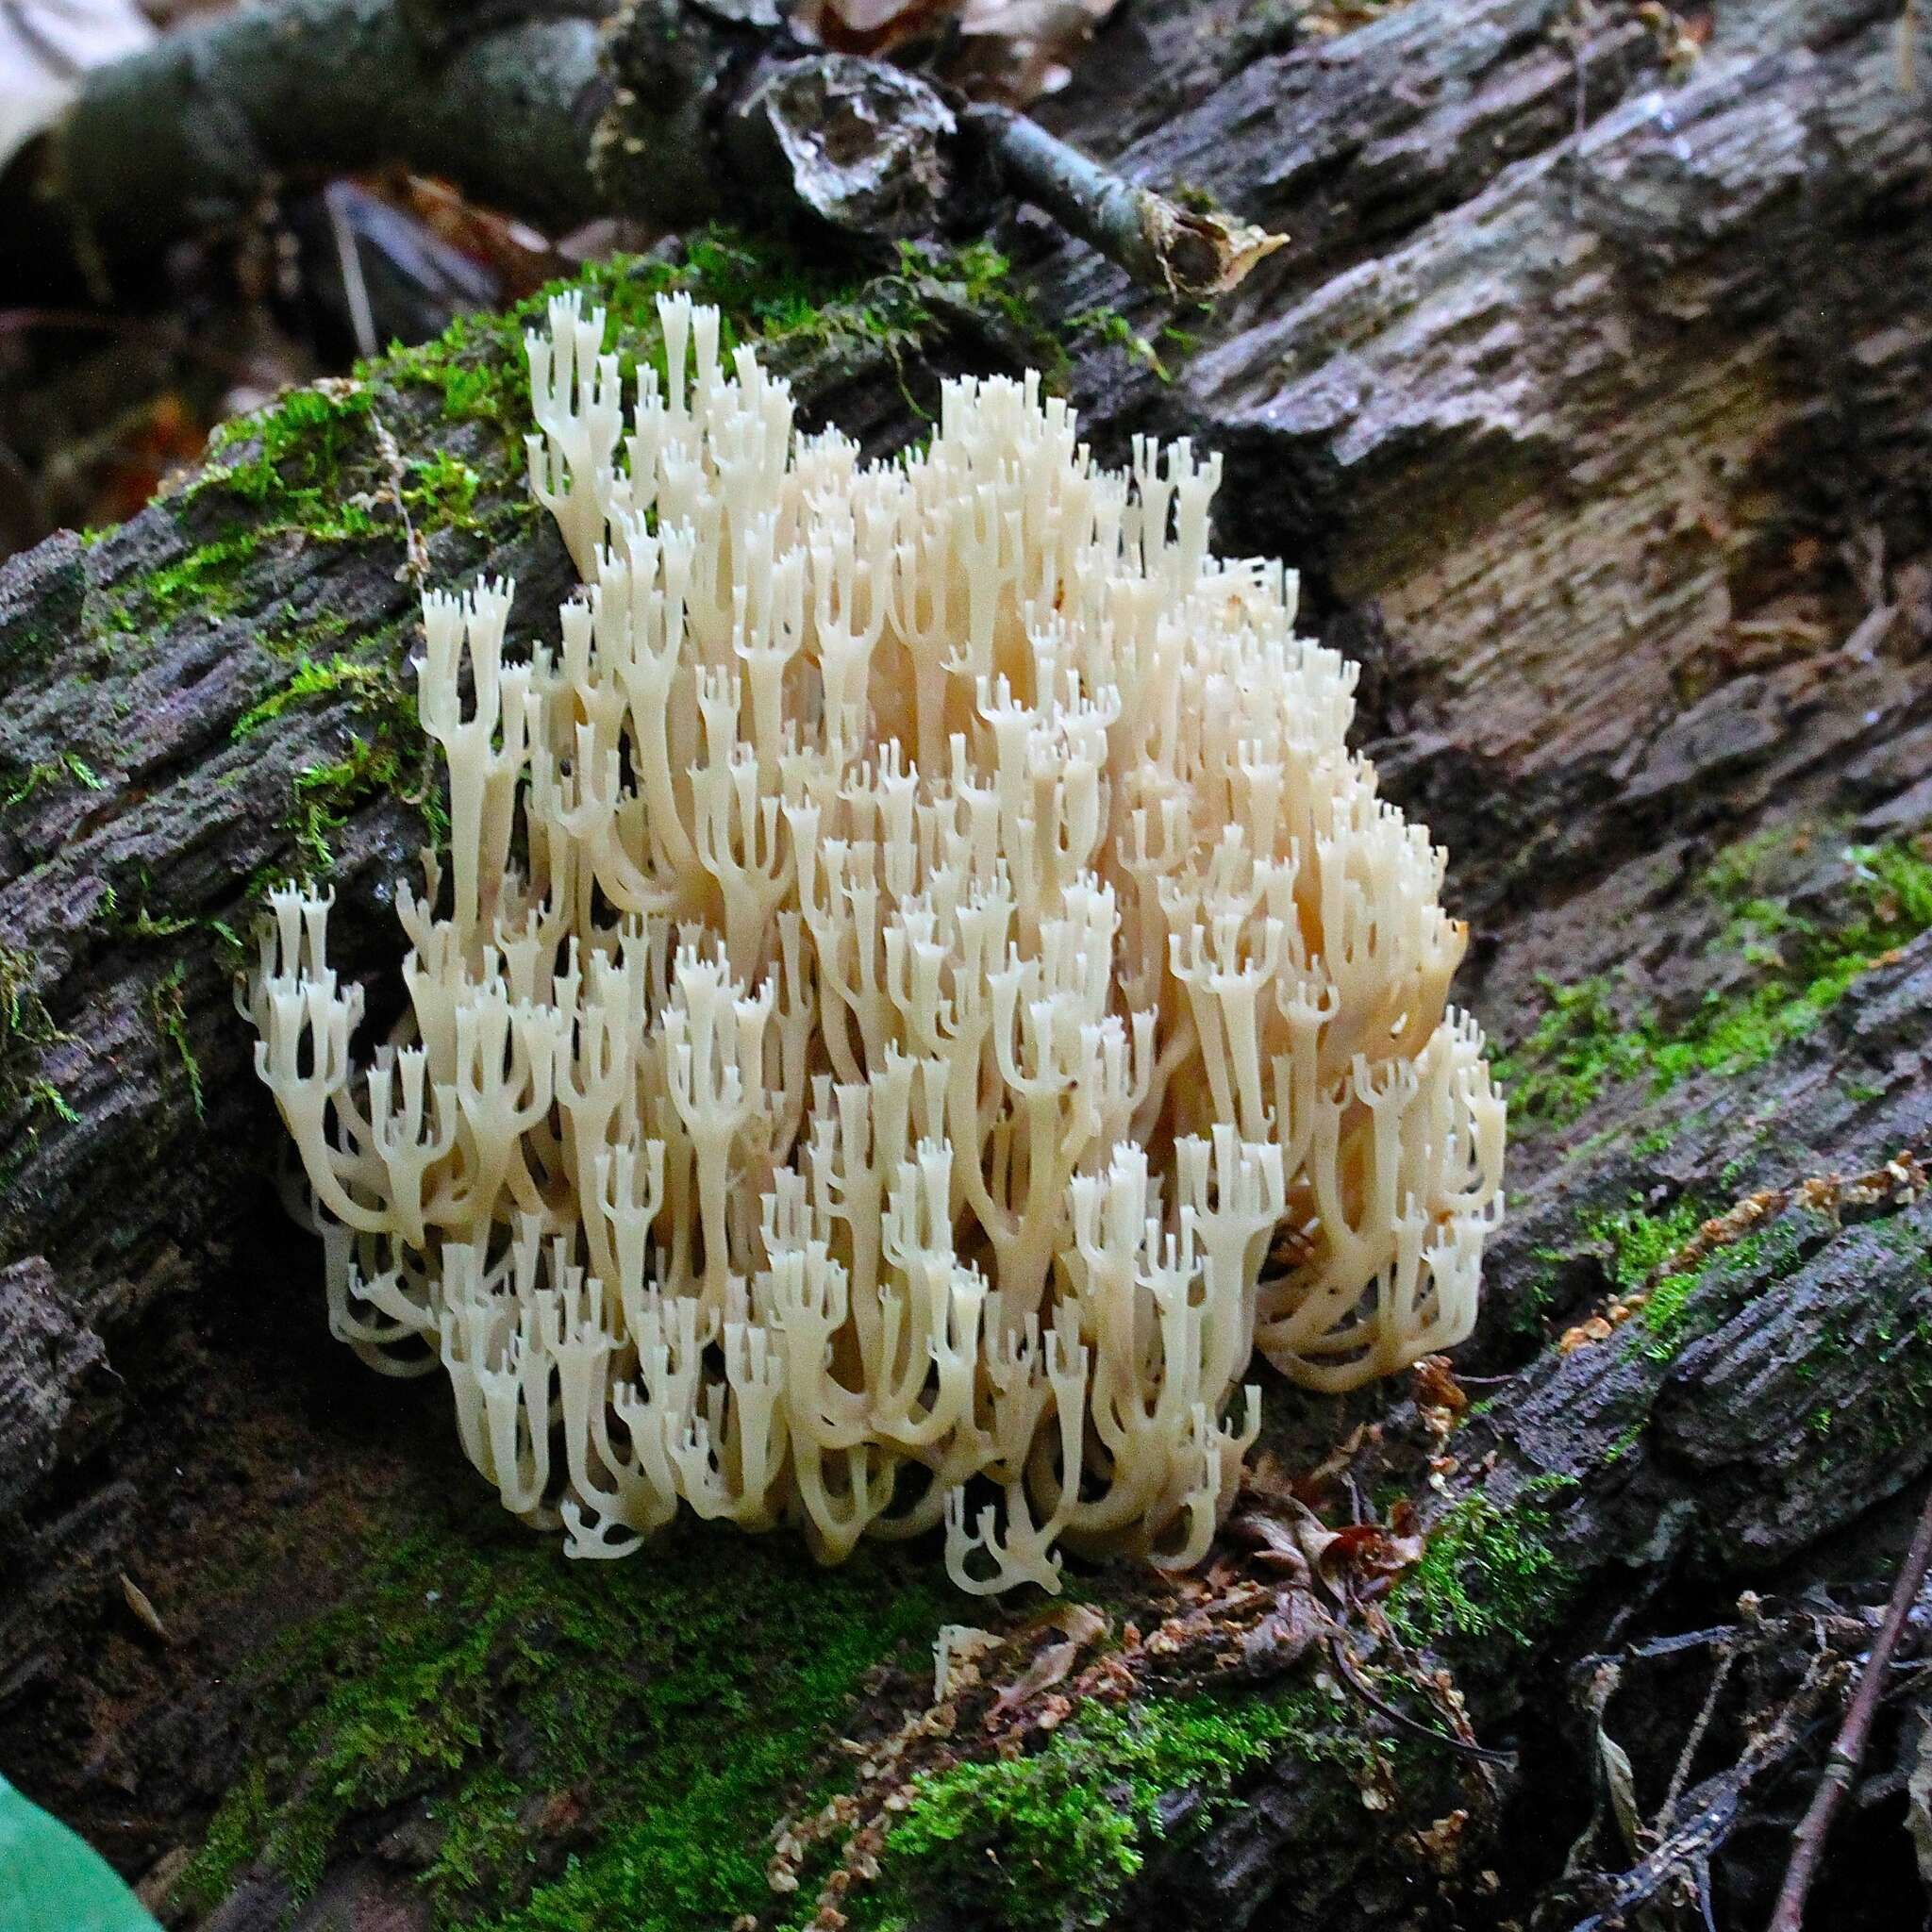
[1017,50]
[1342,1455]
[143,1610]
[1080,1622]
[1048,1668]
[1436,1385]
[957,1646]
[1442,1842]
[1279,1550]
[1284,1635]
[1620,1780]
[1011,51]
[1369,1552]
[872,27]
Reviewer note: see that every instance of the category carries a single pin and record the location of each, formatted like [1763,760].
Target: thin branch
[1337,1649]
[1667,1812]
[1848,1752]
[1192,255]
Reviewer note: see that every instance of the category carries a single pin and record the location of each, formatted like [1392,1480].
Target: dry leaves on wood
[1897,1184]
[1011,51]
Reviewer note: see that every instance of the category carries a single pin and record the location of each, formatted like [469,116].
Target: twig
[1337,1649]
[1667,1812]
[415,551]
[1848,1752]
[1192,255]
[1716,1805]
[1579,53]
[349,257]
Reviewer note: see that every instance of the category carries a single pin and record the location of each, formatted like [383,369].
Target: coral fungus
[901,961]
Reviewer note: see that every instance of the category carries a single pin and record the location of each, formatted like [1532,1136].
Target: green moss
[1738,875]
[1901,1388]
[670,1709]
[1679,1306]
[27,1031]
[288,471]
[296,472]
[1635,1241]
[1664,1319]
[209,580]
[309,679]
[42,1096]
[145,924]
[169,1012]
[24,1017]
[1577,1048]
[1488,1573]
[390,753]
[441,492]
[1584,1042]
[1194,196]
[235,1836]
[327,795]
[1110,326]
[1531,1306]
[1640,1242]
[69,768]
[793,304]
[285,637]
[1060,1832]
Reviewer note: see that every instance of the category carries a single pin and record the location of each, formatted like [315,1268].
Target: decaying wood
[1603,440]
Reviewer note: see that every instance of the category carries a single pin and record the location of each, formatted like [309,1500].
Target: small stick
[1337,1649]
[1190,255]
[1848,1752]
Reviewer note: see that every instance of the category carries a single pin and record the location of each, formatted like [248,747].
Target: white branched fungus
[907,961]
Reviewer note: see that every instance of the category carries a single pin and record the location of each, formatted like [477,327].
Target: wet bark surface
[1592,400]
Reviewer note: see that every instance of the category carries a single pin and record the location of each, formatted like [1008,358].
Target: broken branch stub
[1191,254]
[862,145]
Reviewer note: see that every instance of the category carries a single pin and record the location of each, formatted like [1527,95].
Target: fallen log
[1601,437]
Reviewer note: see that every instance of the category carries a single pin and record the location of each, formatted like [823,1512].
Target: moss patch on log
[27,1031]
[797,307]
[1057,1833]
[1798,965]
[574,1745]
[1489,1572]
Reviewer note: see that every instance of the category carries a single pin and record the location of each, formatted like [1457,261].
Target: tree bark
[1594,402]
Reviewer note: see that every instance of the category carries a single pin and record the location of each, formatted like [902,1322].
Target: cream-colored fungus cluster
[906,959]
